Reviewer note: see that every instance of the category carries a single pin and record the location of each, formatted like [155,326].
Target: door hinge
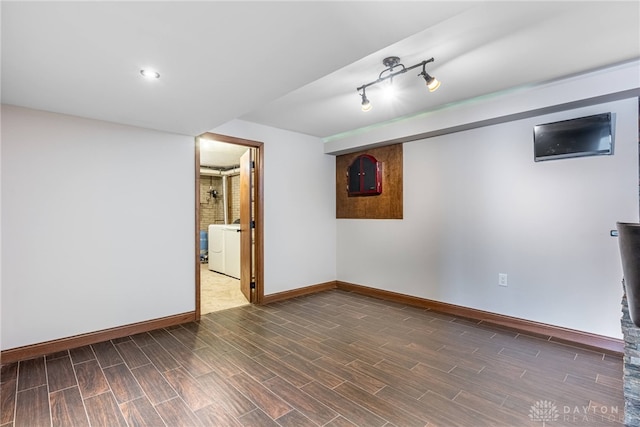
[252,285]
[253,224]
[253,164]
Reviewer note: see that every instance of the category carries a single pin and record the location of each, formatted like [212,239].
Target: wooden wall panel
[387,205]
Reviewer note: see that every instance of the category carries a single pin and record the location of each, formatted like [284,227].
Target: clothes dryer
[232,250]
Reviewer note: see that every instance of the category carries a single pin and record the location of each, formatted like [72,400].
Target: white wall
[299,206]
[476,204]
[97,225]
[80,255]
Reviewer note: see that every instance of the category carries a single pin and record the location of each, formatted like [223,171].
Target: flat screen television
[584,136]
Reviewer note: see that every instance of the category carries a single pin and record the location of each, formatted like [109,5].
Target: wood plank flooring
[328,359]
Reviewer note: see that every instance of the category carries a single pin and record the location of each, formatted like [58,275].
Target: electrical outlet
[502,279]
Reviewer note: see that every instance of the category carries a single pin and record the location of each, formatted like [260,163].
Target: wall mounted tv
[584,136]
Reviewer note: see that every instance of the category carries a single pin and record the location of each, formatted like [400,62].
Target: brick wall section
[234,197]
[211,210]
[631,335]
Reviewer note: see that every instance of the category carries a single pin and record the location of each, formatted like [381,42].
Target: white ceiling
[295,64]
[220,155]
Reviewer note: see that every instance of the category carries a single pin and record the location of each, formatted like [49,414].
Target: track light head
[366,104]
[432,83]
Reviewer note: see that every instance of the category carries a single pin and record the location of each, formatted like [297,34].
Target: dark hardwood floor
[329,359]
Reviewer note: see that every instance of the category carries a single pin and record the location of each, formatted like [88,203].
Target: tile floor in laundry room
[218,291]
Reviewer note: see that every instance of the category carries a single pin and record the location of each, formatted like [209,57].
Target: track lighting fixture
[393,62]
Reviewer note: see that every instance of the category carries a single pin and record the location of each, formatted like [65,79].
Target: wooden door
[246,218]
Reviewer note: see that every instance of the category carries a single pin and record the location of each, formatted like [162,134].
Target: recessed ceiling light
[150,74]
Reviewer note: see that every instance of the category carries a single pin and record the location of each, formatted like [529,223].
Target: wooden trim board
[552,333]
[53,346]
[197,227]
[258,214]
[558,334]
[281,296]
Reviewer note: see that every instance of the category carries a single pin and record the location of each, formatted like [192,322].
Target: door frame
[258,212]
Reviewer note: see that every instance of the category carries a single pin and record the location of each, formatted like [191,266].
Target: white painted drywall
[299,206]
[476,205]
[97,225]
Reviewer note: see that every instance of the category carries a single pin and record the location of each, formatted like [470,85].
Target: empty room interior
[319,213]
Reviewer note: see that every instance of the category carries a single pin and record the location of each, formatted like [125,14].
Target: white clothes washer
[216,247]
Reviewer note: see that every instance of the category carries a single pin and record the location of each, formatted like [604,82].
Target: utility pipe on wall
[216,172]
[225,198]
[204,171]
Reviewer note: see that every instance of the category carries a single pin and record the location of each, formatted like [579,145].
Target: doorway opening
[229,222]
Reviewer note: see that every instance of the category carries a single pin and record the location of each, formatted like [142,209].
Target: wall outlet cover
[502,279]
